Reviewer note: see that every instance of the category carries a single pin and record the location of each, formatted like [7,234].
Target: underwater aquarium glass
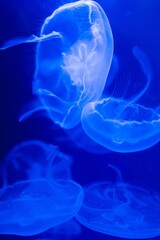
[80,119]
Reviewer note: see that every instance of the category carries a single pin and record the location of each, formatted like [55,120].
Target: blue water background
[133,23]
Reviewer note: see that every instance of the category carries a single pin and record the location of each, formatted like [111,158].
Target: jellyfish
[120,209]
[33,206]
[72,64]
[41,193]
[123,125]
[34,159]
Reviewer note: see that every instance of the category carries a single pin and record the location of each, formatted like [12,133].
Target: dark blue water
[133,23]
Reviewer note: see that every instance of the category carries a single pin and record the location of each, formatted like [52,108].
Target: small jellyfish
[122,125]
[36,159]
[121,210]
[72,63]
[40,194]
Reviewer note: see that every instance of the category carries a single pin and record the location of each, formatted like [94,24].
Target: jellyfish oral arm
[31,39]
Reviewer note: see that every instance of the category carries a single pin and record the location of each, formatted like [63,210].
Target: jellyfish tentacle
[31,39]
[146,68]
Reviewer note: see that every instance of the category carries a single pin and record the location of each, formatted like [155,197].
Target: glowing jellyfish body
[31,207]
[72,70]
[122,125]
[40,194]
[35,159]
[120,210]
[73,58]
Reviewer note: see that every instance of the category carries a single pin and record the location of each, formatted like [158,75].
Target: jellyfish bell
[72,65]
[121,126]
[121,210]
[33,206]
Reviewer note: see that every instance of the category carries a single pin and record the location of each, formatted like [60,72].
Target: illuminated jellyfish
[33,206]
[123,125]
[35,159]
[121,210]
[72,63]
[41,199]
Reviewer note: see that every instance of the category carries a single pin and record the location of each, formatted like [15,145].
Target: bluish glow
[31,207]
[35,159]
[121,210]
[71,69]
[91,101]
[33,202]
[75,72]
[123,125]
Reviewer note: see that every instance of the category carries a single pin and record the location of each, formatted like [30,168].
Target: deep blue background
[133,23]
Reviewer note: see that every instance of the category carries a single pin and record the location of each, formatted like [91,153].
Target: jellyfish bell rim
[72,4]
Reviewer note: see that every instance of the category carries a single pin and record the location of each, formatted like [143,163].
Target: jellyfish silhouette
[72,64]
[121,210]
[122,125]
[44,199]
[35,159]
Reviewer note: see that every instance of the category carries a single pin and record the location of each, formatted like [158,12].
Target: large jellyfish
[120,124]
[121,210]
[72,63]
[45,198]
